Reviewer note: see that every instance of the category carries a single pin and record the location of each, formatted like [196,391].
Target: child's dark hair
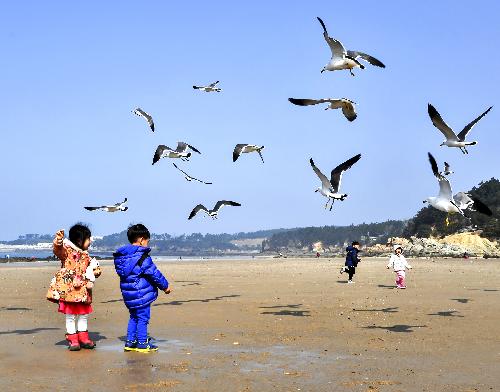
[137,231]
[78,234]
[355,243]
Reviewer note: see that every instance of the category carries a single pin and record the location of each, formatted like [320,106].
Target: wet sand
[266,325]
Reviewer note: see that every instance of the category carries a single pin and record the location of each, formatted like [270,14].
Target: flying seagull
[188,177]
[445,201]
[141,113]
[113,208]
[215,211]
[345,104]
[452,139]
[210,88]
[345,59]
[447,169]
[181,152]
[246,148]
[331,188]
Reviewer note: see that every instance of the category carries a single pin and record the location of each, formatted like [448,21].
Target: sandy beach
[266,325]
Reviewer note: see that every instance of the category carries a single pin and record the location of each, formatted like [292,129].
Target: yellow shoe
[146,347]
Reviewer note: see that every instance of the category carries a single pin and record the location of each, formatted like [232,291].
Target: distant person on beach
[140,280]
[71,288]
[399,264]
[351,260]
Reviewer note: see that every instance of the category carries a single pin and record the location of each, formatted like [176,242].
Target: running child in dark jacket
[351,260]
[140,280]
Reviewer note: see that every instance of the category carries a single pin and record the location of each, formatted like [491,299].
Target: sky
[72,72]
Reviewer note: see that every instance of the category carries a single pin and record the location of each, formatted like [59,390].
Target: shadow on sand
[205,300]
[461,300]
[286,310]
[397,327]
[26,331]
[13,308]
[385,286]
[111,301]
[446,313]
[384,310]
[188,282]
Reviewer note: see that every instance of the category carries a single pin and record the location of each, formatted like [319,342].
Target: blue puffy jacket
[139,284]
[352,258]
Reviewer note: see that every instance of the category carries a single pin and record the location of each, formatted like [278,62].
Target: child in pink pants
[399,264]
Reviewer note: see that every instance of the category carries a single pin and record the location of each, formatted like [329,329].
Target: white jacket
[399,263]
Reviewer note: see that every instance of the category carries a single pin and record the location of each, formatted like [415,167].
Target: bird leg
[331,205]
[326,205]
[465,149]
[352,73]
[446,221]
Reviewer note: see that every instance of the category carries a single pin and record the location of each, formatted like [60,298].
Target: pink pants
[400,279]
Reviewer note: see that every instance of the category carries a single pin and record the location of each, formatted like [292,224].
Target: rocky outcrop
[455,245]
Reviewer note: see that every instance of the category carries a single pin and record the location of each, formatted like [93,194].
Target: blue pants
[138,324]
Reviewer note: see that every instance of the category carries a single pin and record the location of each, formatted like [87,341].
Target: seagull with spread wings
[188,177]
[181,152]
[112,208]
[452,139]
[212,87]
[347,106]
[213,213]
[245,149]
[330,188]
[141,113]
[345,59]
[445,201]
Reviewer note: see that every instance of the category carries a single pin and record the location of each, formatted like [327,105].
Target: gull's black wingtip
[322,23]
[431,109]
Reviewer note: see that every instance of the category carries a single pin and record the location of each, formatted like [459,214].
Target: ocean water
[41,254]
[38,254]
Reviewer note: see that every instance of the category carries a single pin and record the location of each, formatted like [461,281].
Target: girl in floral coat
[71,288]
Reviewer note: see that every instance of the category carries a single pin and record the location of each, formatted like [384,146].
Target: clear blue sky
[73,71]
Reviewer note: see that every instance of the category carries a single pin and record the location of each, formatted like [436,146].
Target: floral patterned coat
[69,284]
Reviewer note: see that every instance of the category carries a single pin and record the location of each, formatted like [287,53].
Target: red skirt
[74,308]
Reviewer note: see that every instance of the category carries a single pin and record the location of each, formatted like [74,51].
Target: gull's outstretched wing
[336,46]
[440,124]
[93,208]
[196,210]
[372,60]
[306,101]
[148,117]
[349,110]
[324,180]
[444,185]
[463,133]
[182,147]
[222,203]
[119,204]
[159,152]
[336,175]
[237,151]
[479,206]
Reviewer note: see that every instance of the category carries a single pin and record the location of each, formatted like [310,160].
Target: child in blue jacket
[351,260]
[140,280]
